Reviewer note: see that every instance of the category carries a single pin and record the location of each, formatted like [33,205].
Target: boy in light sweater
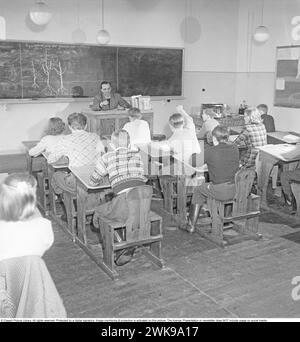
[138,129]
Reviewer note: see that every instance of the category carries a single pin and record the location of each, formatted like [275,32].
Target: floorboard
[246,279]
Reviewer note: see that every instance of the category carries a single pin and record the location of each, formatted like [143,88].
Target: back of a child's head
[120,138]
[209,112]
[55,126]
[252,116]
[134,113]
[263,107]
[77,121]
[221,133]
[17,197]
[176,120]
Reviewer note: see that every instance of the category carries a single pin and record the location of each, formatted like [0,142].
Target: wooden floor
[200,280]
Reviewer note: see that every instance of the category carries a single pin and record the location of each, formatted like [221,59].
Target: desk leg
[51,192]
[181,199]
[82,196]
[263,175]
[29,161]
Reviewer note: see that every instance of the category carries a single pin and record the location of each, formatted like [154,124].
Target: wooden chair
[142,228]
[70,202]
[240,214]
[296,192]
[178,192]
[43,191]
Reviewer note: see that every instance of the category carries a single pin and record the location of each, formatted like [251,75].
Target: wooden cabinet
[104,123]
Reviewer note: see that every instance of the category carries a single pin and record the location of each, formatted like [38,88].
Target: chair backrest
[244,179]
[138,223]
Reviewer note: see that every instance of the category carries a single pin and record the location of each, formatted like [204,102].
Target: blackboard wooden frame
[287,77]
[160,51]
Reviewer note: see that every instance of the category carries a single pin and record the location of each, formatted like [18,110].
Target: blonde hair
[17,197]
[176,120]
[135,113]
[253,115]
[120,138]
[209,112]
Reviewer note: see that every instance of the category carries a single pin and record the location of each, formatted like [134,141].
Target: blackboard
[49,70]
[156,72]
[287,79]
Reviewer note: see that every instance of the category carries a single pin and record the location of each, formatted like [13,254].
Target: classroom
[208,232]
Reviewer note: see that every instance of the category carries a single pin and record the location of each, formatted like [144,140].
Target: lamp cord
[262,12]
[102,14]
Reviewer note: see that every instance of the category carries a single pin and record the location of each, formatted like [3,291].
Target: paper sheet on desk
[291,138]
[232,137]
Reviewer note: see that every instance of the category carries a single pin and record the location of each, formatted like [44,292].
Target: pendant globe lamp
[40,13]
[261,33]
[103,37]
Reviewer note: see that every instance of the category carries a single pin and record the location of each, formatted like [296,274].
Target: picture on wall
[287,78]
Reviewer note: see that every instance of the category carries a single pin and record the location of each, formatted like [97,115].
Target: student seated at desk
[138,129]
[267,119]
[209,123]
[54,132]
[183,141]
[222,161]
[286,178]
[252,136]
[125,171]
[81,148]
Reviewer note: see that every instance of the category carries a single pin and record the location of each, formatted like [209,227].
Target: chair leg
[108,247]
[296,192]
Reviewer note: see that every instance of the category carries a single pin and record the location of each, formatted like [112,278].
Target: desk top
[62,163]
[112,112]
[29,144]
[83,173]
[284,152]
[285,137]
[161,149]
[156,149]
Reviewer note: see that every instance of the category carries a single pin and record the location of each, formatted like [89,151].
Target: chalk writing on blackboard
[49,70]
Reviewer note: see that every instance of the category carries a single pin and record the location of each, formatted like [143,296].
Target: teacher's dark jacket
[114,101]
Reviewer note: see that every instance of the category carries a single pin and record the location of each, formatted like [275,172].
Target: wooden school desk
[83,190]
[268,156]
[280,137]
[176,187]
[34,164]
[106,122]
[60,165]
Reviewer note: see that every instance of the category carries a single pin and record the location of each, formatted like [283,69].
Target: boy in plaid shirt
[253,135]
[81,148]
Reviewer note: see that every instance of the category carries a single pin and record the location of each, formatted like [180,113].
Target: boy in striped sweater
[125,171]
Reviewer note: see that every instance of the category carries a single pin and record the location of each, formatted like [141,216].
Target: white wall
[210,58]
[210,62]
[256,62]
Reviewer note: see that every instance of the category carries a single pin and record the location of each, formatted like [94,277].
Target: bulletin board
[287,77]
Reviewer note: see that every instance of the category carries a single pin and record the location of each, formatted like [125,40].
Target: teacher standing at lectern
[107,100]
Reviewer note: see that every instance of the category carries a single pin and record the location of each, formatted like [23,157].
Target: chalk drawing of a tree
[12,73]
[34,74]
[60,72]
[47,67]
